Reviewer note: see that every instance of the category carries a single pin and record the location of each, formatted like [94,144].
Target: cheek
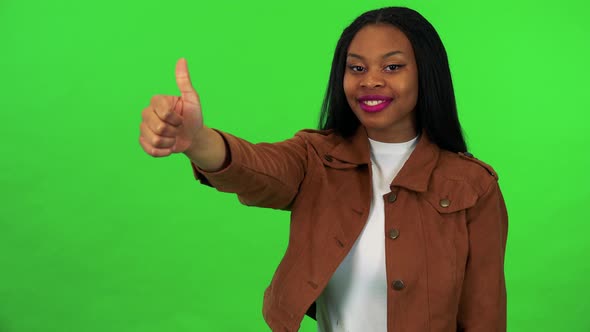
[409,89]
[348,84]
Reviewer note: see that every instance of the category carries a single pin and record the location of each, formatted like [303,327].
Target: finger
[183,80]
[152,151]
[155,140]
[159,127]
[164,109]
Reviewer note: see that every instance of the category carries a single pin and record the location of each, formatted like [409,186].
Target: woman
[394,226]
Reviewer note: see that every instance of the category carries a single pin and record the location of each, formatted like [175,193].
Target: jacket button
[445,203]
[328,158]
[391,198]
[398,285]
[393,233]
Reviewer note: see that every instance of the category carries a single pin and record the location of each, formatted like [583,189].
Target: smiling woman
[394,226]
[372,67]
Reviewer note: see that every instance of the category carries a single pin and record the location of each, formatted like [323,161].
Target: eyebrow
[384,56]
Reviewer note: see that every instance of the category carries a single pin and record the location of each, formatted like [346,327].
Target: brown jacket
[445,227]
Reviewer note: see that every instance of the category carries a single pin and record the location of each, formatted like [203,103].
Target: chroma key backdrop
[95,235]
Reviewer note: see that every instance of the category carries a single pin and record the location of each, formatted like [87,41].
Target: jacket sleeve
[482,306]
[263,175]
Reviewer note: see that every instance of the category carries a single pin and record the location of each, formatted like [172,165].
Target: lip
[376,108]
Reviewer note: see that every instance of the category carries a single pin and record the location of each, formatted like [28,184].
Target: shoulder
[465,167]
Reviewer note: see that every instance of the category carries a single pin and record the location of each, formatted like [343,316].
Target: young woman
[394,226]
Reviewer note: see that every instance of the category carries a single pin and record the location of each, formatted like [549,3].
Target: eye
[356,69]
[393,67]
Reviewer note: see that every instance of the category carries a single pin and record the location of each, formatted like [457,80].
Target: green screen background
[95,235]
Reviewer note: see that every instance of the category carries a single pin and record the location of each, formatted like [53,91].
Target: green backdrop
[95,235]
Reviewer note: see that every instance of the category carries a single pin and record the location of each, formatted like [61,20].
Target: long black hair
[436,109]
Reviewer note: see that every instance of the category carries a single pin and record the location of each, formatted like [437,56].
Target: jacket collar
[355,149]
[414,175]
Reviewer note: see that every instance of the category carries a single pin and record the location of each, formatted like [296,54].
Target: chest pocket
[449,196]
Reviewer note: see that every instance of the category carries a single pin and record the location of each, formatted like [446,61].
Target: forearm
[263,174]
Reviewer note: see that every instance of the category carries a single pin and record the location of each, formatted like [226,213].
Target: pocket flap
[332,162]
[448,196]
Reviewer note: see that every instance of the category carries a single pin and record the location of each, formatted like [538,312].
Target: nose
[372,81]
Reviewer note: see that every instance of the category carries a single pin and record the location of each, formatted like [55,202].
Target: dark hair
[436,109]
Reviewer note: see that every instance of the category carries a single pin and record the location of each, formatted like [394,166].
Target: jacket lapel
[416,172]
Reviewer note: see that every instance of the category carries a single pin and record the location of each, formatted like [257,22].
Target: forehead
[380,39]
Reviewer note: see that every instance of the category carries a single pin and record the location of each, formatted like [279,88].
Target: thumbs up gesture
[170,123]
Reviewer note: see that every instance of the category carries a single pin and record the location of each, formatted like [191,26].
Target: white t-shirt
[355,299]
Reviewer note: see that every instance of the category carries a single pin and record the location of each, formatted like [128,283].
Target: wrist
[208,150]
[198,142]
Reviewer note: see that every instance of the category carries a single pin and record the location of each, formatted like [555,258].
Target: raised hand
[170,123]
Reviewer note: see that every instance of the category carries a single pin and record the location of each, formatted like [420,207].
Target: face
[381,83]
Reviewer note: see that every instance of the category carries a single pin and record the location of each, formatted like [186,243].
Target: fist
[170,123]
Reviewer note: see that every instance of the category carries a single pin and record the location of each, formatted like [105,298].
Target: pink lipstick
[374,103]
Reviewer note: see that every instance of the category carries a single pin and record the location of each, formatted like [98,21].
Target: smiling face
[381,83]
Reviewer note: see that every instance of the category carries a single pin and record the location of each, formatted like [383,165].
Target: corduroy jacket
[445,227]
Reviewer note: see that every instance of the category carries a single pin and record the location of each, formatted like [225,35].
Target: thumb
[183,80]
